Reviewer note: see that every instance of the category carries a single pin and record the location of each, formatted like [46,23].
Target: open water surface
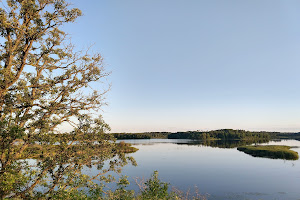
[222,173]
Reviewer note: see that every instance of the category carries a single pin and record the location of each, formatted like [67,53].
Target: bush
[155,189]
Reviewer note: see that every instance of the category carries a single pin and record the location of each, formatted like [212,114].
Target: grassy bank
[270,151]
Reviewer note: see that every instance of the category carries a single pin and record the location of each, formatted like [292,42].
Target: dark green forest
[147,135]
[222,134]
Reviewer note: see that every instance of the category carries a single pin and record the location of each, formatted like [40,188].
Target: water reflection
[211,143]
[227,144]
[223,173]
[55,169]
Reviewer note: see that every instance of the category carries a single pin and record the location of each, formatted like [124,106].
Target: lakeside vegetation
[270,151]
[146,135]
[222,134]
[226,144]
[295,136]
[37,151]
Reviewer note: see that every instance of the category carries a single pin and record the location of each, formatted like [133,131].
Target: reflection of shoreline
[155,141]
[186,165]
[226,144]
[210,143]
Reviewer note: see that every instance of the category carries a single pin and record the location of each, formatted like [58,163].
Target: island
[270,151]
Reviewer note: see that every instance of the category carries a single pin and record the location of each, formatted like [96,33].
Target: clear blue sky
[196,65]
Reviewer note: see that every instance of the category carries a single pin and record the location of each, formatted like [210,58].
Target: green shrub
[155,189]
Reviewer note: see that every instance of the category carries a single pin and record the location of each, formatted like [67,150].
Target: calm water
[220,172]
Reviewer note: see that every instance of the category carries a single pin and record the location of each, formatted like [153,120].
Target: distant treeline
[222,134]
[147,135]
[295,136]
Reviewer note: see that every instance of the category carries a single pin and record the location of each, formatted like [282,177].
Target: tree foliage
[222,134]
[44,84]
[147,135]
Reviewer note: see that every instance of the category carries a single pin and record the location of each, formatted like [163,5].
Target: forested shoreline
[221,134]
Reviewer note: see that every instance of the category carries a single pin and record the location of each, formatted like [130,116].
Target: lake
[222,173]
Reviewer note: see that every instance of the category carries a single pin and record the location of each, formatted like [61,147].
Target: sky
[196,65]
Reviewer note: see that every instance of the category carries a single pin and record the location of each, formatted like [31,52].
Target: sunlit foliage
[44,84]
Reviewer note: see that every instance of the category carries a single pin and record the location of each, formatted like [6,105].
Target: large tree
[44,84]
